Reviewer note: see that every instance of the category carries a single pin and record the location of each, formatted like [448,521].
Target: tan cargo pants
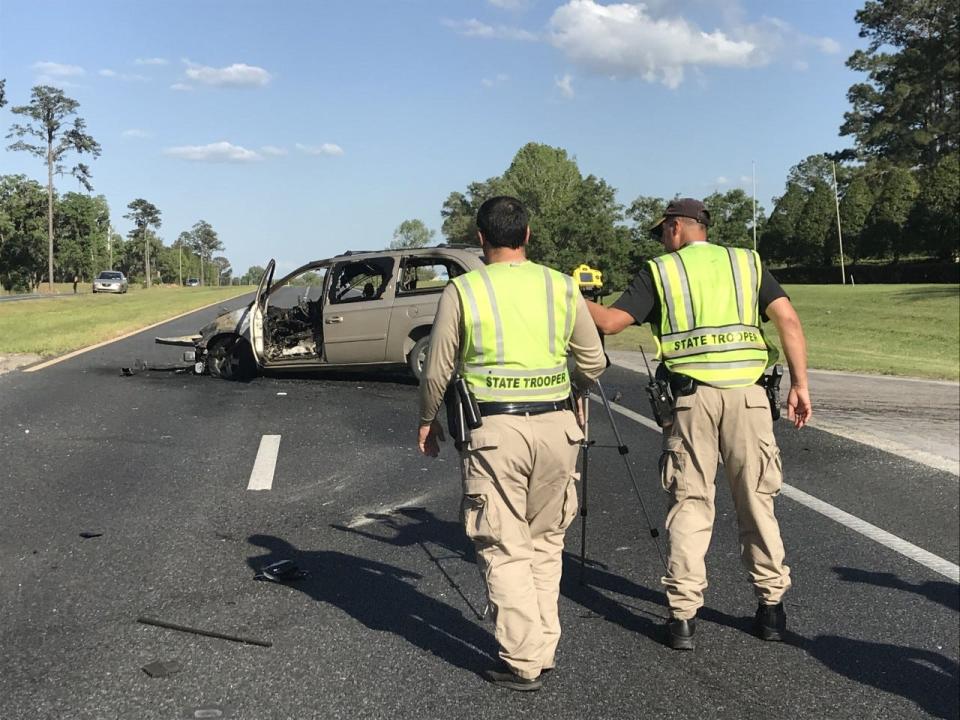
[519,497]
[734,424]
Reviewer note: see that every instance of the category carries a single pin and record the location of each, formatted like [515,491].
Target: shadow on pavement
[382,597]
[927,678]
[945,593]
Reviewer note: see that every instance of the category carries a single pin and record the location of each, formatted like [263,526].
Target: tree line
[45,236]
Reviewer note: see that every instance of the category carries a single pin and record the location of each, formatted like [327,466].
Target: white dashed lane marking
[261,477]
[889,540]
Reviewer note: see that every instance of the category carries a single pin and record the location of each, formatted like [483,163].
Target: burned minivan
[359,308]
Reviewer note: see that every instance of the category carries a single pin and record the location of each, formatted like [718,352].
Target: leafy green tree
[731,218]
[855,208]
[205,243]
[547,181]
[814,223]
[777,237]
[223,269]
[22,232]
[459,211]
[645,211]
[252,275]
[144,216]
[907,112]
[47,112]
[411,234]
[884,233]
[82,223]
[934,222]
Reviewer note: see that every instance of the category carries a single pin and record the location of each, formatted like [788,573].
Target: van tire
[418,356]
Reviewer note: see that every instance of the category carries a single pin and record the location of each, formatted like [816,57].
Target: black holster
[463,413]
[771,385]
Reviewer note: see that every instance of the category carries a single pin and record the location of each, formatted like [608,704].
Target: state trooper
[507,329]
[705,304]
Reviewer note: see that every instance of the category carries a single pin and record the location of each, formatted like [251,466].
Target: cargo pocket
[570,504]
[672,462]
[771,469]
[477,472]
[480,519]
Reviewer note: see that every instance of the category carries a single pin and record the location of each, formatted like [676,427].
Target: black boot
[680,633]
[771,622]
[503,676]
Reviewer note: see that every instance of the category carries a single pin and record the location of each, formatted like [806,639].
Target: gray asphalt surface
[386,624]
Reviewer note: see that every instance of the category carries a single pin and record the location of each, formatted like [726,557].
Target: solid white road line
[907,549]
[261,477]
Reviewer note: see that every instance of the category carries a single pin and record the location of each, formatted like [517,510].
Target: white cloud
[181,87]
[214,152]
[324,149]
[801,65]
[108,73]
[510,4]
[475,28]
[236,75]
[151,61]
[499,79]
[136,133]
[565,85]
[58,70]
[623,39]
[827,45]
[273,150]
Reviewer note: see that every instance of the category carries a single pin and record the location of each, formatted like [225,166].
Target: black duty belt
[522,408]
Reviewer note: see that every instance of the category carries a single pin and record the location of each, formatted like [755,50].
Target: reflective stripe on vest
[517,322]
[710,320]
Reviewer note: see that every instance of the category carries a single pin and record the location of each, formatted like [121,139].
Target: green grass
[52,326]
[908,330]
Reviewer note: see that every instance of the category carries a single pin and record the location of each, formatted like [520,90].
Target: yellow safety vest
[710,315]
[517,322]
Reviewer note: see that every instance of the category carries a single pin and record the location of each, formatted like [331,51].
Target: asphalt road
[386,624]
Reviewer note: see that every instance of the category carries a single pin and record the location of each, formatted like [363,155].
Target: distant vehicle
[192,282]
[355,309]
[110,281]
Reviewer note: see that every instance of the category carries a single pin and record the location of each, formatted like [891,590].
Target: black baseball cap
[684,207]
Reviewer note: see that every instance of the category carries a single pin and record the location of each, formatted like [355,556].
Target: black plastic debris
[139,366]
[280,572]
[162,668]
[86,534]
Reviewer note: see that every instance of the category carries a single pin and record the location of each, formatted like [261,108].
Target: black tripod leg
[584,476]
[623,450]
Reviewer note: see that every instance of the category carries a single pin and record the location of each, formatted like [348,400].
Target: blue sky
[302,129]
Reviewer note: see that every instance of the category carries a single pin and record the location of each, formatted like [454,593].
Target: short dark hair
[503,222]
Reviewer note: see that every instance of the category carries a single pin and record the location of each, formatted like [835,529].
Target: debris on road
[162,668]
[86,534]
[207,633]
[280,572]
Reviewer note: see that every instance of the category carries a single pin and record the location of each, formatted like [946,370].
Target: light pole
[836,198]
[754,205]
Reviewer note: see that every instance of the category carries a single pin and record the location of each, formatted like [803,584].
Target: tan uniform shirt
[445,352]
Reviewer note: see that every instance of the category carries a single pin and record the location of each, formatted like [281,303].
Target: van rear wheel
[418,356]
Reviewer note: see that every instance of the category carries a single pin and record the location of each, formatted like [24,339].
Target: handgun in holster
[771,385]
[463,413]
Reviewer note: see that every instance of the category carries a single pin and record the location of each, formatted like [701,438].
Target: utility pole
[180,269]
[754,205]
[836,198]
[110,244]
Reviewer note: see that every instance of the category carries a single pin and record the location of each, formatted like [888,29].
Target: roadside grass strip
[88,348]
[879,535]
[911,330]
[261,477]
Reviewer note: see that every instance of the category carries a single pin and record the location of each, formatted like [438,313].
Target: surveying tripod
[623,450]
